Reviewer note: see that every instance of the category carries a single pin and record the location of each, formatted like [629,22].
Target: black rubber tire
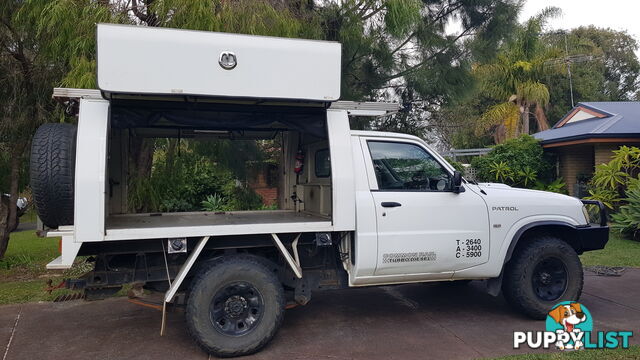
[52,173]
[517,284]
[207,283]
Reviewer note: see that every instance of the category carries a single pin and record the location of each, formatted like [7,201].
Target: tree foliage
[401,50]
[604,67]
[27,76]
[528,80]
[514,81]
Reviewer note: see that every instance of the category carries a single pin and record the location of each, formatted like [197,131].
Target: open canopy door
[157,61]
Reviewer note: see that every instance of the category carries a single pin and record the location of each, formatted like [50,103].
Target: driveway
[438,321]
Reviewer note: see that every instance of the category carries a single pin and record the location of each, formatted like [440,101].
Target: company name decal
[408,257]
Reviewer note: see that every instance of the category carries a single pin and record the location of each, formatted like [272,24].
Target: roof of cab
[362,133]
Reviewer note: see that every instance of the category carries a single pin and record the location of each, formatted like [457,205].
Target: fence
[454,153]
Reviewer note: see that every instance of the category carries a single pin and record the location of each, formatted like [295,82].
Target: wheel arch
[528,232]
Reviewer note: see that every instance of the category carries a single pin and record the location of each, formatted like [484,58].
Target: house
[263,179]
[586,137]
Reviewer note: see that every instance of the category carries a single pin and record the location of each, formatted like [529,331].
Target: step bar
[69,248]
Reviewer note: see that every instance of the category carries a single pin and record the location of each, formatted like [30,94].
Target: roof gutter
[589,139]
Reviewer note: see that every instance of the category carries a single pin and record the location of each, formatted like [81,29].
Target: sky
[615,14]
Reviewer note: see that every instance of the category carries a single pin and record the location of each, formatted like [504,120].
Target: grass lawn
[632,352]
[23,276]
[618,252]
[29,216]
[27,255]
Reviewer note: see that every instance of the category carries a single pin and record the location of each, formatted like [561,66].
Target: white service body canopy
[161,61]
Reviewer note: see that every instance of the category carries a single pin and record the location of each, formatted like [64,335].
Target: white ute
[364,208]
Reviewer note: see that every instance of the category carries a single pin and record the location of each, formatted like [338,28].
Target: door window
[407,167]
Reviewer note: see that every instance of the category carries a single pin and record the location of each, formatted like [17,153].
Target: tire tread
[516,275]
[52,173]
[203,275]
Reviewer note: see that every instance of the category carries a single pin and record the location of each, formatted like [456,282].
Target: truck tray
[168,225]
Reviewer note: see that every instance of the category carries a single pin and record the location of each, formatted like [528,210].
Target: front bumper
[594,236]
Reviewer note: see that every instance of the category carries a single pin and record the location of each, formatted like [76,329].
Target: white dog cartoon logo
[568,316]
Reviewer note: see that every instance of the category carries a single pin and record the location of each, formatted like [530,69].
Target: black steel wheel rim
[236,308]
[550,279]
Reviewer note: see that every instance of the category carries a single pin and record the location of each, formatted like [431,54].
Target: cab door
[423,226]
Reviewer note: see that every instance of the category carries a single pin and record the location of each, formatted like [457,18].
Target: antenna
[566,50]
[569,59]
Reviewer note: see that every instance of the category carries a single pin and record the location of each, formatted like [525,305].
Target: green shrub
[517,162]
[243,198]
[175,205]
[187,183]
[456,164]
[611,181]
[501,171]
[214,202]
[627,220]
[268,207]
[556,186]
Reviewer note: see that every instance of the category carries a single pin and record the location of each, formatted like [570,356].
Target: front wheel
[541,274]
[235,306]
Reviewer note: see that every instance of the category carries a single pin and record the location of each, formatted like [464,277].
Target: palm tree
[514,80]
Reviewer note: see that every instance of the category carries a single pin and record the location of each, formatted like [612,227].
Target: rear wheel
[540,274]
[235,306]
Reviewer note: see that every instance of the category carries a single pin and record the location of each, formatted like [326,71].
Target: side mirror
[456,182]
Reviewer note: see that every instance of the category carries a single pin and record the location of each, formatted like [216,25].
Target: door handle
[390,204]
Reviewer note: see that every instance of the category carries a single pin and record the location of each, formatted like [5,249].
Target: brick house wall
[260,181]
[574,161]
[578,160]
[269,195]
[604,152]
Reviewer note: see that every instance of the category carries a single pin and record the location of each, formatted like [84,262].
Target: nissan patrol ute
[356,208]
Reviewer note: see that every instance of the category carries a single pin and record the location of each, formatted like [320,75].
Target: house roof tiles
[610,120]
